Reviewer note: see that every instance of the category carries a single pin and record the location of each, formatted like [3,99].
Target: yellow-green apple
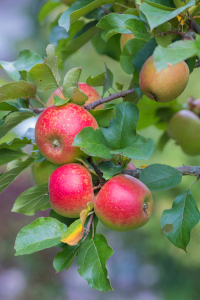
[166,85]
[42,170]
[184,127]
[70,189]
[124,203]
[56,128]
[125,37]
[92,94]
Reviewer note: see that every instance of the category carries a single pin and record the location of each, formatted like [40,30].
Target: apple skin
[56,128]
[42,170]
[166,85]
[120,203]
[92,94]
[131,166]
[70,189]
[125,37]
[184,127]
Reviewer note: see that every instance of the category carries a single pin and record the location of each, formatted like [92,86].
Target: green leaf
[174,53]
[79,9]
[34,199]
[40,234]
[16,143]
[108,80]
[26,60]
[140,148]
[86,164]
[71,79]
[64,259]
[122,23]
[98,80]
[8,155]
[79,41]
[142,55]
[119,86]
[47,9]
[9,106]
[158,177]
[12,120]
[111,48]
[92,142]
[59,102]
[76,96]
[183,215]
[122,129]
[92,259]
[13,170]
[163,141]
[103,116]
[129,51]
[109,169]
[19,89]
[45,75]
[162,4]
[65,220]
[157,16]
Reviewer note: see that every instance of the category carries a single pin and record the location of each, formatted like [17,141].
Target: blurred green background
[145,265]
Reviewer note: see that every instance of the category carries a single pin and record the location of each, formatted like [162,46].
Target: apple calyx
[56,143]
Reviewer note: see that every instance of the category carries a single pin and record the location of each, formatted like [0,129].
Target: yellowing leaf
[75,231]
[144,166]
[181,19]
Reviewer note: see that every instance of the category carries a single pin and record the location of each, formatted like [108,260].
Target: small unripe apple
[184,127]
[125,37]
[92,94]
[70,189]
[56,128]
[124,203]
[166,85]
[42,170]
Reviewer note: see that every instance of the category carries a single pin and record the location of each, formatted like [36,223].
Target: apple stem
[98,172]
[97,187]
[108,99]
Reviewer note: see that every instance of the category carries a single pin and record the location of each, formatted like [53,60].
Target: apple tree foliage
[117,140]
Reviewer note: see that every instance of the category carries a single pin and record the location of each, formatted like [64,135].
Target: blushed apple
[70,189]
[56,128]
[124,203]
[92,94]
[166,85]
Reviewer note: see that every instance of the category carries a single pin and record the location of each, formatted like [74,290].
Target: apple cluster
[123,202]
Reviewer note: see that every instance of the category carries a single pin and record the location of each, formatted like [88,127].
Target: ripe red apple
[70,189]
[56,128]
[42,170]
[166,85]
[92,94]
[184,127]
[124,203]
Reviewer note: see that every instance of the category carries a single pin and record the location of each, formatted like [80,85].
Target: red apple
[92,94]
[56,128]
[70,189]
[124,203]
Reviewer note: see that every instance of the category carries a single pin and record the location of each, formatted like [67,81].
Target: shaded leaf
[40,234]
[19,89]
[32,200]
[7,155]
[109,169]
[47,9]
[13,170]
[103,116]
[64,259]
[16,143]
